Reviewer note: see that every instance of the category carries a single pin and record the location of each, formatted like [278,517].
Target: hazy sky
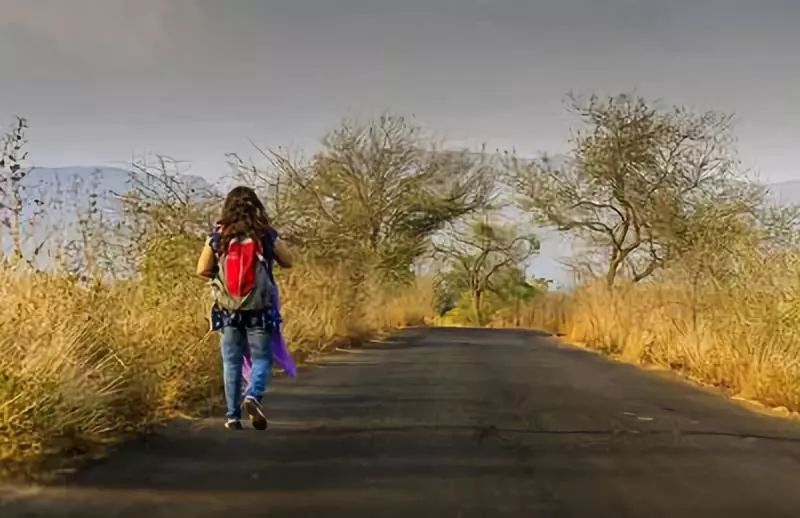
[103,79]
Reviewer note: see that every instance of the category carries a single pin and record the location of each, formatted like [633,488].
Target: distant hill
[78,183]
[56,198]
[785,192]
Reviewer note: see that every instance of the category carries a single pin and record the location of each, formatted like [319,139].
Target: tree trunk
[611,276]
[476,305]
[617,258]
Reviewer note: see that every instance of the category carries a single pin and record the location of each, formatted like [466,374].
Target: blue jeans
[234,340]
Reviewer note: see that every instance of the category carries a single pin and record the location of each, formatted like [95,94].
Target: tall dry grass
[322,305]
[740,333]
[84,366]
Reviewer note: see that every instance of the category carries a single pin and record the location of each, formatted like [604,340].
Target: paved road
[459,423]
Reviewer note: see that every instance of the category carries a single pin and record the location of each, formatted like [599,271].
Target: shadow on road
[490,422]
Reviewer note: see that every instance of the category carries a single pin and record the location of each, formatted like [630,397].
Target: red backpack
[243,279]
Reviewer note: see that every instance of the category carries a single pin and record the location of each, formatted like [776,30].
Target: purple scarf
[280,352]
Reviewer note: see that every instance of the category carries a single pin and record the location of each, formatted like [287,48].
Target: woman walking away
[238,258]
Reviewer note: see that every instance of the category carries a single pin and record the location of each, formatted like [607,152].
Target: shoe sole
[257,417]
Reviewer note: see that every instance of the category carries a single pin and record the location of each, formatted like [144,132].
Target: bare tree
[477,253]
[376,191]
[12,174]
[22,209]
[276,186]
[164,213]
[160,186]
[633,178]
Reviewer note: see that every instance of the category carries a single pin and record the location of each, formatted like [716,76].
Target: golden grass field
[740,335]
[83,366]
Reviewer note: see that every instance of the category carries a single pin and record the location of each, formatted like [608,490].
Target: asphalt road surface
[455,423]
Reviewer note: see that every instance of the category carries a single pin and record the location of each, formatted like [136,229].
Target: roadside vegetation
[688,264]
[112,337]
[683,263]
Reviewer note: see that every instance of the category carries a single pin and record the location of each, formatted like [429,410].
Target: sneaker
[233,424]
[256,413]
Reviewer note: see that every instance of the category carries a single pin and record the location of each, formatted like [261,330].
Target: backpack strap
[268,249]
[268,243]
[214,239]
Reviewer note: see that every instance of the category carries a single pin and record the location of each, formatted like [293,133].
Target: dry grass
[740,333]
[84,366]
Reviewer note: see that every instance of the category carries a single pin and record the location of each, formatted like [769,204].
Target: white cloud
[109,32]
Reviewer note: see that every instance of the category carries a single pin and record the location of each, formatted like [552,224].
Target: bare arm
[205,264]
[283,256]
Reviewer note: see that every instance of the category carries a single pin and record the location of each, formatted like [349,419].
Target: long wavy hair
[243,215]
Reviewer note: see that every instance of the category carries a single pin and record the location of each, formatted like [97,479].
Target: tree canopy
[376,191]
[636,180]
